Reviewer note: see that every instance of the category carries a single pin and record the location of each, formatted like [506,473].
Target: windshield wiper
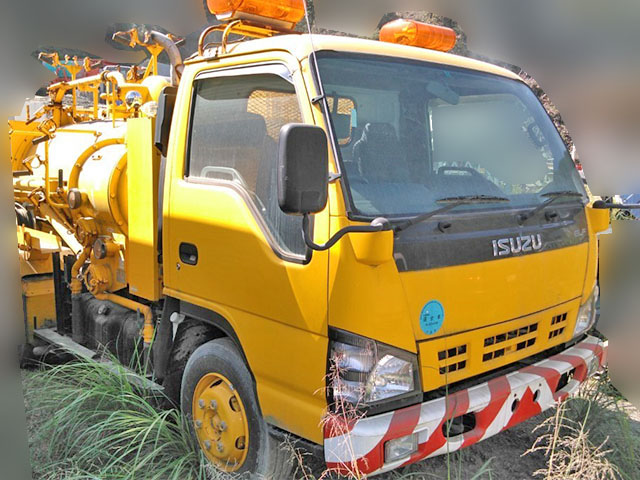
[553,196]
[453,203]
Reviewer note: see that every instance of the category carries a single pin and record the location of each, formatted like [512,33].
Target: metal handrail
[241,27]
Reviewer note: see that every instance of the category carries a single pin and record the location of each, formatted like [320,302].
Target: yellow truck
[377,247]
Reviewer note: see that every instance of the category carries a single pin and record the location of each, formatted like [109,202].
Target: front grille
[512,341]
[452,359]
[558,325]
[458,356]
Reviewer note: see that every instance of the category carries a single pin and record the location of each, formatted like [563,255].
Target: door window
[235,129]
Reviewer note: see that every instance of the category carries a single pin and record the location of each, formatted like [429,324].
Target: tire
[218,366]
[190,335]
[25,353]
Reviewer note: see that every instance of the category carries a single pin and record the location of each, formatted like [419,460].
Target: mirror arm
[377,225]
[622,206]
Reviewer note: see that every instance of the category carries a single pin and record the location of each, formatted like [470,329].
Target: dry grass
[590,437]
[571,454]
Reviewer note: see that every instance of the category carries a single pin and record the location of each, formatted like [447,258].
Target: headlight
[366,373]
[587,314]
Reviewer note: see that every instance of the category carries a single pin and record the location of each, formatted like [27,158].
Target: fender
[214,319]
[164,337]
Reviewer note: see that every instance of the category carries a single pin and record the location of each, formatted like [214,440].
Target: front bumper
[496,405]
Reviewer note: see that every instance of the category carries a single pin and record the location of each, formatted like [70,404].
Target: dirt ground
[504,451]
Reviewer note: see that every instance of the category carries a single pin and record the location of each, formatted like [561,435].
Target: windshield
[410,133]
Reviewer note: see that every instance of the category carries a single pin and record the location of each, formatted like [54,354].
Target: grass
[93,423]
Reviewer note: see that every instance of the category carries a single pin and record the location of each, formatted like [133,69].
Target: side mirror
[303,184]
[303,169]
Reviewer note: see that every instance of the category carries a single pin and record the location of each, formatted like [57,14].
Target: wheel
[219,400]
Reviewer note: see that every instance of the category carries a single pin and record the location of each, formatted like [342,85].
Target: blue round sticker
[432,317]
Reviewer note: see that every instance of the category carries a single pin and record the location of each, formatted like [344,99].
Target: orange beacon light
[280,13]
[418,34]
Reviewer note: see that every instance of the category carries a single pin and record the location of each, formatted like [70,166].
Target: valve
[86,230]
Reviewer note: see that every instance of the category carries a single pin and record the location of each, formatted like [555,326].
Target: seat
[380,155]
[241,144]
[236,143]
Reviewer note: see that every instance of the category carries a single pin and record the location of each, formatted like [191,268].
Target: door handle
[551,215]
[188,253]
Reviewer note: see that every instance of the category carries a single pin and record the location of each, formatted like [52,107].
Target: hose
[24,217]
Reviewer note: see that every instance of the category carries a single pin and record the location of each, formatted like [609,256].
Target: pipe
[61,88]
[145,310]
[47,185]
[115,77]
[76,282]
[174,55]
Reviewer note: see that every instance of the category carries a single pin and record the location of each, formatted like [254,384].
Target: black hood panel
[464,238]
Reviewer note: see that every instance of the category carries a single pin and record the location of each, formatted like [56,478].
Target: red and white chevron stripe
[498,404]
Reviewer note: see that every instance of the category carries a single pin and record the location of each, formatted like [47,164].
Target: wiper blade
[553,196]
[562,193]
[469,199]
[453,203]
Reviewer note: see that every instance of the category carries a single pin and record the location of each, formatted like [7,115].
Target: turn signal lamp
[418,34]
[279,13]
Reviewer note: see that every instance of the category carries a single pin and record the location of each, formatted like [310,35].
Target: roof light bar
[418,34]
[277,13]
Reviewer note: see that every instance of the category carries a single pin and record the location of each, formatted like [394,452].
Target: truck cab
[434,324]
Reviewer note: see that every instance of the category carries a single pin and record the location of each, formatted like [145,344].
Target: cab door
[227,245]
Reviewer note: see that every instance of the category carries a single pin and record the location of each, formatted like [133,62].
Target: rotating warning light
[279,13]
[418,34]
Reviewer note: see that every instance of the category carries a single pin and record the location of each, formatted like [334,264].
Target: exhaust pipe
[173,52]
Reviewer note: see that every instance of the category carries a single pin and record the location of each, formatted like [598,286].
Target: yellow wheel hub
[220,422]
